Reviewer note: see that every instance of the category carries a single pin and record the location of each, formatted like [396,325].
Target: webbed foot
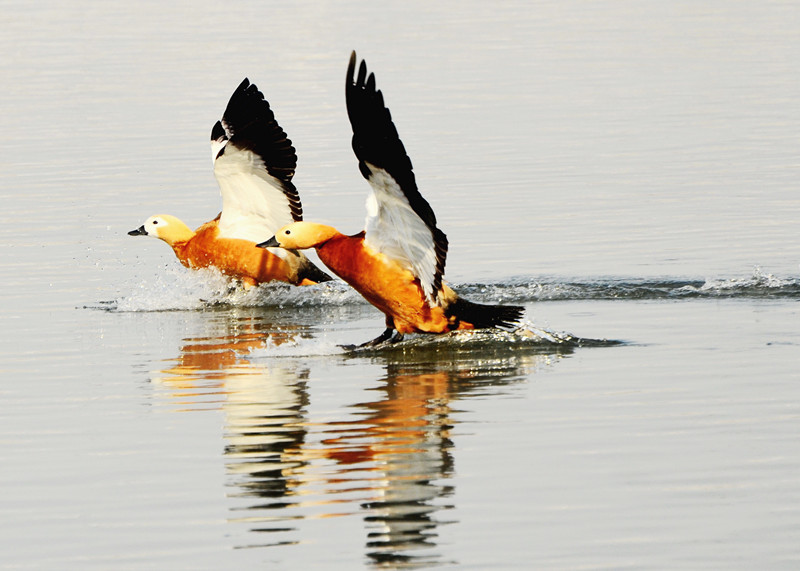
[385,337]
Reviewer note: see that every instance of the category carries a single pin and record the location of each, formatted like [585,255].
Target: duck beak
[271,243]
[140,231]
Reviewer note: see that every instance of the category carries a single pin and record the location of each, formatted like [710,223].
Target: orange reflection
[205,364]
[401,419]
[387,460]
[392,456]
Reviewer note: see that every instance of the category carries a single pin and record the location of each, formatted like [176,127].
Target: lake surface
[626,171]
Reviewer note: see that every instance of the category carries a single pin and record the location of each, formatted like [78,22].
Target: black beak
[271,243]
[140,231]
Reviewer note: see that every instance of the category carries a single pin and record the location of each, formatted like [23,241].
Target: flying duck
[254,163]
[398,261]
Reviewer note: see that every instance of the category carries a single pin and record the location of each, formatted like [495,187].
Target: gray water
[627,171]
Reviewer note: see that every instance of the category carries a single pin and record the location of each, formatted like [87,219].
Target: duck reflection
[404,439]
[387,460]
[264,405]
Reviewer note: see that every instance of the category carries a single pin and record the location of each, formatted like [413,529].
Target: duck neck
[342,253]
[176,234]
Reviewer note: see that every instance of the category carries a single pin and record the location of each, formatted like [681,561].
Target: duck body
[397,263]
[242,260]
[237,258]
[391,285]
[384,283]
[254,162]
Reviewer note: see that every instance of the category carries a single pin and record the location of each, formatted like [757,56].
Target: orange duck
[397,262]
[254,163]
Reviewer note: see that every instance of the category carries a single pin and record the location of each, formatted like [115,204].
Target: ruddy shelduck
[398,261]
[254,163]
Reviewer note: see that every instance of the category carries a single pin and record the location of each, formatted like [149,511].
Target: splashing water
[525,339]
[760,283]
[176,288]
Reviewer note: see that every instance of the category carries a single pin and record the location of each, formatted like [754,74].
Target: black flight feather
[376,142]
[249,124]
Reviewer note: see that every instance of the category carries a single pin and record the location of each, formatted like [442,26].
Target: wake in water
[177,288]
[525,338]
[456,345]
[759,285]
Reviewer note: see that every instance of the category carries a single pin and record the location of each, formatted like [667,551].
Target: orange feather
[239,259]
[388,286]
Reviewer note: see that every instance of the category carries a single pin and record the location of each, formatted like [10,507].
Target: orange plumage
[397,263]
[386,285]
[254,163]
[391,285]
[242,260]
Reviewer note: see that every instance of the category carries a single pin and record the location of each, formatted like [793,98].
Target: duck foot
[385,337]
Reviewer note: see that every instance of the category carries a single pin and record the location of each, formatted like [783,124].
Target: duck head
[300,236]
[165,227]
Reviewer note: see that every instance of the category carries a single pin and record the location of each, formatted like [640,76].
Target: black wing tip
[243,85]
[246,99]
[218,132]
[377,142]
[250,124]
[375,137]
[360,88]
[351,66]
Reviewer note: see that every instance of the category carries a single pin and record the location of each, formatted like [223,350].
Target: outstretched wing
[400,222]
[254,163]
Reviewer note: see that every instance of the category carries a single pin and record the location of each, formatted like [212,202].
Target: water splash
[176,288]
[301,346]
[525,338]
[759,284]
[456,344]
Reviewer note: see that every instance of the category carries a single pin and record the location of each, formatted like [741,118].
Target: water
[625,171]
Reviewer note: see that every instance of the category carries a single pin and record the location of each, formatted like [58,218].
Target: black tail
[312,272]
[484,316]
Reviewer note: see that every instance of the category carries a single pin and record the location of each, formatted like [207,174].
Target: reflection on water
[387,460]
[210,370]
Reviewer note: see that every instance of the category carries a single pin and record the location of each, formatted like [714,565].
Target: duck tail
[312,273]
[484,316]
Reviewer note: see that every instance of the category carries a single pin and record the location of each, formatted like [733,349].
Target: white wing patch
[395,230]
[254,206]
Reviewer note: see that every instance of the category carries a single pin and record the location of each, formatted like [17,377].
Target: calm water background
[621,168]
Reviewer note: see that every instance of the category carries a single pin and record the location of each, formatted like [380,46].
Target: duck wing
[254,162]
[400,223]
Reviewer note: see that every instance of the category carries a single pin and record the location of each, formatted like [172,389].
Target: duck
[254,162]
[397,262]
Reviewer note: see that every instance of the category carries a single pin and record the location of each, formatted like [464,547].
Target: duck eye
[287,232]
[155,222]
